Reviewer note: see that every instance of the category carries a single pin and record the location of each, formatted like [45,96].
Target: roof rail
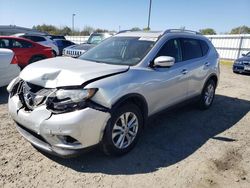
[124,31]
[180,30]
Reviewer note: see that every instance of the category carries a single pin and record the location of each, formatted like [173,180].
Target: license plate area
[247,67]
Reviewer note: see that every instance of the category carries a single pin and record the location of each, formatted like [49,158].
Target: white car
[43,40]
[9,68]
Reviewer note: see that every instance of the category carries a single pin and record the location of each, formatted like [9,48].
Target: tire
[54,53]
[207,95]
[116,130]
[36,58]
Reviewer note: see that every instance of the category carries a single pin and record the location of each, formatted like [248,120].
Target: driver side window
[171,48]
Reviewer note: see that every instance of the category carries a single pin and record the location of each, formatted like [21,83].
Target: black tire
[54,53]
[107,144]
[36,58]
[203,102]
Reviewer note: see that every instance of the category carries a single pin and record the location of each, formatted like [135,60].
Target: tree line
[87,30]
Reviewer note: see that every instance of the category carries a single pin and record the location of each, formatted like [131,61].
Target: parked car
[9,68]
[242,65]
[62,43]
[77,50]
[66,105]
[41,39]
[26,50]
[53,37]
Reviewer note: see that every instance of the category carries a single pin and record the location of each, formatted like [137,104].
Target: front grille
[74,53]
[32,133]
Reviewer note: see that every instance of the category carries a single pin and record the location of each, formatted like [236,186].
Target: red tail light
[14,60]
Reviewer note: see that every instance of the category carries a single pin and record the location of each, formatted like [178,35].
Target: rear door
[194,56]
[22,50]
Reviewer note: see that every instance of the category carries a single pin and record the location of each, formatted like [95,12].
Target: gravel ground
[182,148]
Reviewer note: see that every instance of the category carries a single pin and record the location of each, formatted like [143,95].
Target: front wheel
[207,95]
[123,130]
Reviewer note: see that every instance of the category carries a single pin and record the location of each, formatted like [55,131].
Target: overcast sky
[222,15]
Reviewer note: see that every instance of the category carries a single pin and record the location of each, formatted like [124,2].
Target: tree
[87,30]
[98,30]
[208,31]
[135,29]
[65,31]
[146,29]
[240,30]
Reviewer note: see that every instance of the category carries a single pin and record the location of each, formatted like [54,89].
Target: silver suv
[64,105]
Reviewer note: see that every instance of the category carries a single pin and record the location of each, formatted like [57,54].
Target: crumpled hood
[84,47]
[66,71]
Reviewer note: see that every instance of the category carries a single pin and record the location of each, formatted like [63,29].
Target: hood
[84,46]
[244,58]
[66,71]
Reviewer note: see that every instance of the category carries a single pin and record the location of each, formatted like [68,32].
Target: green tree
[240,30]
[135,29]
[87,30]
[65,31]
[208,31]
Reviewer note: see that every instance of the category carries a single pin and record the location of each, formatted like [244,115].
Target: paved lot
[182,148]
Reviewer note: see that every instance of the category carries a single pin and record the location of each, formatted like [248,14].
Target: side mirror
[243,55]
[164,61]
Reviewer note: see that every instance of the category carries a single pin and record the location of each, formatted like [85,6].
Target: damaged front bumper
[60,134]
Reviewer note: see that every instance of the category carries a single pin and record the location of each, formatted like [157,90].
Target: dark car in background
[77,50]
[242,65]
[53,37]
[62,43]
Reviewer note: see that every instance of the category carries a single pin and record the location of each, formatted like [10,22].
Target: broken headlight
[66,100]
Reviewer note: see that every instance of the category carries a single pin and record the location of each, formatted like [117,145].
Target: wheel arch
[136,99]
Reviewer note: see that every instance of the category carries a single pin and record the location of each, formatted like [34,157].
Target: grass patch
[226,62]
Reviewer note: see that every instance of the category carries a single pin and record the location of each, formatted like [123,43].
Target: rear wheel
[123,130]
[207,95]
[54,53]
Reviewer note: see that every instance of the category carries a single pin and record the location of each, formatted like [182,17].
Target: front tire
[123,130]
[207,95]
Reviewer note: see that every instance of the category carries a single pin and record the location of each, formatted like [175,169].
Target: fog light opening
[68,140]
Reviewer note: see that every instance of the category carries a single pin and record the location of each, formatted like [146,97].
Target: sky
[221,15]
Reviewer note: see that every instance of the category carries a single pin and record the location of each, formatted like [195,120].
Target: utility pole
[73,24]
[149,14]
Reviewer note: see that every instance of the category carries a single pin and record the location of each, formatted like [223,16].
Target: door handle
[207,64]
[184,71]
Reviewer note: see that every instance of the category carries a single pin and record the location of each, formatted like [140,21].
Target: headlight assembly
[66,100]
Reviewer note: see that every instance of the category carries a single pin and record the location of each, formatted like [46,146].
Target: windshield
[95,39]
[248,54]
[120,50]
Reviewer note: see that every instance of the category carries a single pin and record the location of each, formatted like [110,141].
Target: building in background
[13,29]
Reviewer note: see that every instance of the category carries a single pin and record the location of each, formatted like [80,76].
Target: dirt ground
[182,148]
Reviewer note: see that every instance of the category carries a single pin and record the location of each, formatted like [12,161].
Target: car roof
[157,34]
[16,37]
[154,34]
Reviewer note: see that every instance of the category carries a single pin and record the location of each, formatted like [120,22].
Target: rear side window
[35,38]
[21,44]
[191,49]
[204,47]
[4,43]
[171,48]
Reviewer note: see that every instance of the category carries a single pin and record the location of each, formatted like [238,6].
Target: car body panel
[8,71]
[51,74]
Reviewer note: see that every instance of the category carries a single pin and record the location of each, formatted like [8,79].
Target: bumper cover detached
[60,134]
